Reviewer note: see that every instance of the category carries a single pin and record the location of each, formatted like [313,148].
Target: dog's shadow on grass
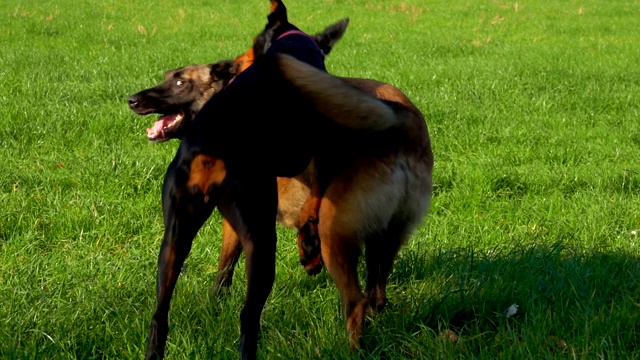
[458,292]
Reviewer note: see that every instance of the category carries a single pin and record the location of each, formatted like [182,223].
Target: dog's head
[185,90]
[179,97]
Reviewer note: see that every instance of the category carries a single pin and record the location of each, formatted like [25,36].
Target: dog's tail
[345,104]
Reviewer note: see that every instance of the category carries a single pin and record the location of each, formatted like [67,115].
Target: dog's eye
[179,82]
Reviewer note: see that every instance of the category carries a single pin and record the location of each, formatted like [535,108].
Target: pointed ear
[329,36]
[262,42]
[223,70]
[277,15]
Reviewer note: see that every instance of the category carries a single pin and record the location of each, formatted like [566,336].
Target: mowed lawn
[534,113]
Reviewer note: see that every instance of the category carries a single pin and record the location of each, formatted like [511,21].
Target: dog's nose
[133,101]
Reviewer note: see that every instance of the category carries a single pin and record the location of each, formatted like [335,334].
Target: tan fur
[292,193]
[205,172]
[245,60]
[201,76]
[386,91]
[229,250]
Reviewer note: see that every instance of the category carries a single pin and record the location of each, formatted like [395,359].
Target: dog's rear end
[380,191]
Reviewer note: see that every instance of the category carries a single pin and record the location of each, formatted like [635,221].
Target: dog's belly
[292,192]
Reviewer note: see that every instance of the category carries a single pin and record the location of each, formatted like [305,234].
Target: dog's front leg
[253,215]
[183,218]
[260,262]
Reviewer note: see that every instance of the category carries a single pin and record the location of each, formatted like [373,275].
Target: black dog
[247,112]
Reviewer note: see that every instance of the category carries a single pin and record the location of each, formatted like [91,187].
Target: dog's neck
[299,32]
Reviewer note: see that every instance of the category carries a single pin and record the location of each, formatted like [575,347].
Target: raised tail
[339,101]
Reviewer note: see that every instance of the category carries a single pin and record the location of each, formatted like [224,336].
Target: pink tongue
[160,124]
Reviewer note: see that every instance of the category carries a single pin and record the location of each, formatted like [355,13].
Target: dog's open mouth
[164,127]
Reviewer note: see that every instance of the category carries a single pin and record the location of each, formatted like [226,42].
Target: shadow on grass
[588,301]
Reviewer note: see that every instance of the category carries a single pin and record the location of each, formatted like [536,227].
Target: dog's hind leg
[229,255]
[182,221]
[340,256]
[340,252]
[380,253]
[365,205]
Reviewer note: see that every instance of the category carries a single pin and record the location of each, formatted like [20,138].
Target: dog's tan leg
[340,252]
[340,259]
[229,255]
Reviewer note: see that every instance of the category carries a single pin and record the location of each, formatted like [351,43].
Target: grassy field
[533,109]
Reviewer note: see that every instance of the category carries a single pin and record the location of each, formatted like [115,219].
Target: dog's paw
[377,300]
[313,267]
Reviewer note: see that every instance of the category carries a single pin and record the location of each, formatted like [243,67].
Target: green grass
[533,108]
